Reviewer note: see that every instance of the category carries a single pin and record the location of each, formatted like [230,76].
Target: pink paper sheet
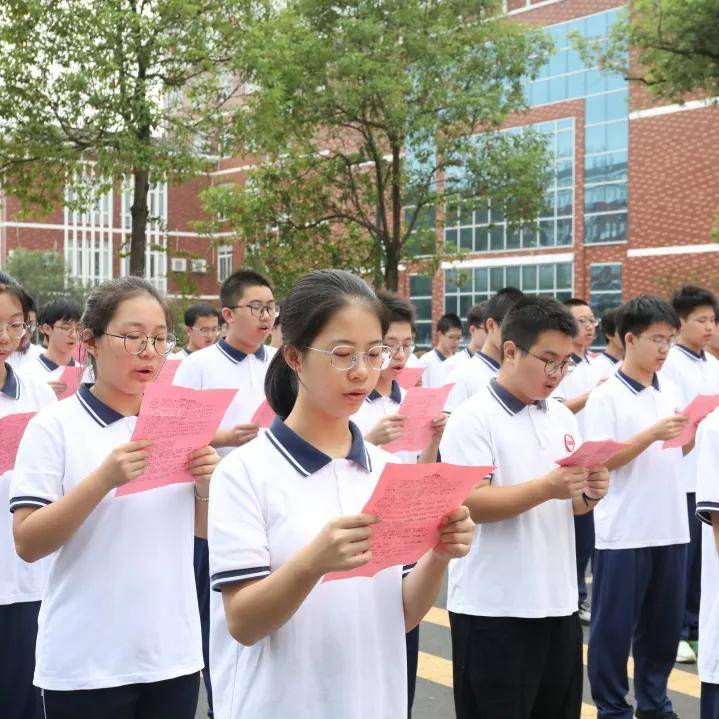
[72,377]
[179,421]
[421,406]
[409,377]
[167,372]
[412,499]
[696,410]
[264,415]
[12,427]
[593,454]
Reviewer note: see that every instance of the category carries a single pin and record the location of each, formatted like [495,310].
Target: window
[224,262]
[465,287]
[605,291]
[420,294]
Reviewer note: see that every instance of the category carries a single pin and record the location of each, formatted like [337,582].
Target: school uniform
[641,540]
[221,366]
[707,494]
[584,378]
[412,361]
[456,360]
[468,378]
[693,373]
[182,353]
[22,585]
[516,637]
[433,364]
[120,613]
[342,653]
[606,365]
[17,360]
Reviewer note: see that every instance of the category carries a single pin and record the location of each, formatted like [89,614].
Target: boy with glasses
[202,326]
[641,525]
[449,335]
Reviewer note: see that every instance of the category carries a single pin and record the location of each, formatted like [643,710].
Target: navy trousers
[710,701]
[584,540]
[690,627]
[637,604]
[412,644]
[202,583]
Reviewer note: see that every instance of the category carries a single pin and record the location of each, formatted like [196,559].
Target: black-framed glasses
[258,309]
[345,357]
[15,330]
[136,342]
[552,366]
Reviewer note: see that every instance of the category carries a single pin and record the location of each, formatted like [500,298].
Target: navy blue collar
[50,366]
[469,352]
[691,353]
[307,459]
[11,388]
[96,408]
[187,351]
[442,358]
[395,393]
[633,385]
[611,358]
[576,358]
[509,402]
[235,355]
[489,361]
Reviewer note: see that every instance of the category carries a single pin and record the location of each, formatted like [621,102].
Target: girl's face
[10,314]
[355,330]
[124,372]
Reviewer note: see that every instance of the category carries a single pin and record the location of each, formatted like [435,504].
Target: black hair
[9,285]
[201,309]
[310,304]
[447,322]
[609,322]
[62,308]
[235,285]
[641,312]
[476,316]
[532,316]
[499,304]
[575,302]
[689,297]
[104,299]
[397,308]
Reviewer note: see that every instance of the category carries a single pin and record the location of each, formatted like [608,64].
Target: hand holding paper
[696,411]
[179,421]
[12,428]
[421,406]
[593,454]
[411,500]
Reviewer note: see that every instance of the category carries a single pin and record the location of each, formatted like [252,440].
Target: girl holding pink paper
[119,631]
[285,511]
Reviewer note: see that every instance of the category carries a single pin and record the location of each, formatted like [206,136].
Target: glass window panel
[423,308]
[617,135]
[465,280]
[565,173]
[450,238]
[595,138]
[558,89]
[594,82]
[564,232]
[465,213]
[604,168]
[480,280]
[546,233]
[558,63]
[596,25]
[420,285]
[565,144]
[539,92]
[617,107]
[595,109]
[576,85]
[465,238]
[496,237]
[496,279]
[605,228]
[513,278]
[424,334]
[481,215]
[529,278]
[605,198]
[481,239]
[546,277]
[564,275]
[606,277]
[574,60]
[565,199]
[529,236]
[614,81]
[465,302]
[514,239]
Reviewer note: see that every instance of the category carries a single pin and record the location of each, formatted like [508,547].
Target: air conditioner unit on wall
[178,264]
[199,266]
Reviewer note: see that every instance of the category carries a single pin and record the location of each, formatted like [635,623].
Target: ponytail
[280,385]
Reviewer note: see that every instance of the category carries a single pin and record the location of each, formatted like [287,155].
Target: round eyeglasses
[136,342]
[15,330]
[344,357]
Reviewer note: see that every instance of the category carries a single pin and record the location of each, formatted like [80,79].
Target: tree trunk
[391,268]
[393,244]
[139,212]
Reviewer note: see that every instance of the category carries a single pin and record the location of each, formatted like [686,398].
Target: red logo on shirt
[569,443]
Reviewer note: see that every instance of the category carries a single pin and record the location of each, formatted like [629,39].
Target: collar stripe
[500,400]
[90,410]
[285,453]
[691,353]
[487,360]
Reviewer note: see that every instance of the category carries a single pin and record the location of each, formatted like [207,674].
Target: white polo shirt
[19,581]
[584,378]
[17,360]
[524,566]
[412,361]
[606,365]
[693,374]
[221,366]
[44,368]
[181,353]
[433,364]
[121,604]
[342,654]
[469,378]
[457,360]
[646,504]
[707,450]
[377,406]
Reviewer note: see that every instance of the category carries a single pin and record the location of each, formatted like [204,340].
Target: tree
[137,90]
[369,118]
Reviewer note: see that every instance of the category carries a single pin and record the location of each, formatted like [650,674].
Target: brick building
[635,191]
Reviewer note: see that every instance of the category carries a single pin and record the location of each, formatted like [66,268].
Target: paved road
[434,685]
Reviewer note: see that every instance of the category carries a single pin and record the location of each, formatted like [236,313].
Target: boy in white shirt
[516,636]
[609,360]
[641,525]
[694,372]
[477,336]
[202,326]
[449,335]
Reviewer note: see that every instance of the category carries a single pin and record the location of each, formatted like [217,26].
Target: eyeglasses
[344,357]
[552,366]
[68,329]
[587,322]
[406,349]
[136,342]
[206,331]
[258,309]
[662,341]
[15,330]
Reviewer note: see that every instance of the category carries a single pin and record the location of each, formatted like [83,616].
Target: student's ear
[88,339]
[188,329]
[509,351]
[226,315]
[46,329]
[292,357]
[630,340]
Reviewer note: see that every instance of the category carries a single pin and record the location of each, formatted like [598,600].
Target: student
[285,510]
[239,361]
[21,585]
[477,337]
[472,376]
[119,631]
[713,345]
[694,372]
[60,323]
[707,450]
[28,350]
[610,359]
[516,636]
[449,335]
[201,327]
[379,422]
[413,360]
[641,526]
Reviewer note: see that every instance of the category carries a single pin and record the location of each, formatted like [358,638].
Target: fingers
[247,427]
[457,515]
[136,444]
[356,520]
